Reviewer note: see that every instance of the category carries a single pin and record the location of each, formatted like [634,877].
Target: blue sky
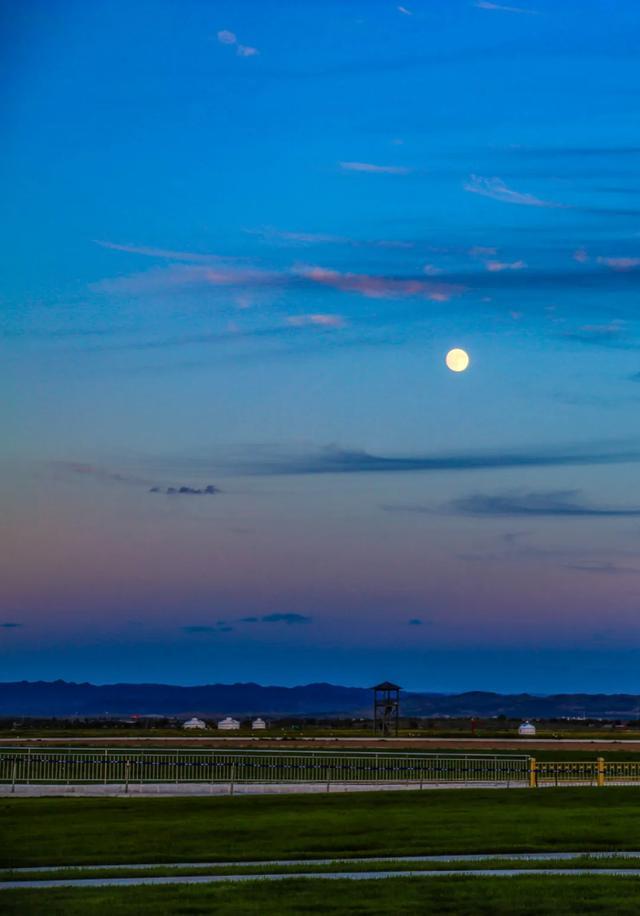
[239,239]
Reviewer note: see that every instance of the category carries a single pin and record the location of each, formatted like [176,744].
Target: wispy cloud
[288,619]
[225,37]
[270,234]
[181,276]
[377,287]
[498,7]
[105,475]
[227,626]
[99,473]
[320,320]
[482,251]
[611,335]
[496,189]
[620,263]
[280,236]
[209,490]
[415,622]
[10,625]
[610,569]
[335,460]
[220,627]
[404,11]
[554,503]
[163,253]
[498,266]
[375,169]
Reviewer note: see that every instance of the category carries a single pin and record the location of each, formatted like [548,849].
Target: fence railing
[125,766]
[109,765]
[599,772]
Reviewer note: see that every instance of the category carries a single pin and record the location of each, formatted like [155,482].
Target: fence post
[600,762]
[127,764]
[233,776]
[533,773]
[14,769]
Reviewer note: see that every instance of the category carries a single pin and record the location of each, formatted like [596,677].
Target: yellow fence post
[600,781]
[533,773]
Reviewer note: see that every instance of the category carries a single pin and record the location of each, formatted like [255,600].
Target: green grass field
[450,896]
[50,831]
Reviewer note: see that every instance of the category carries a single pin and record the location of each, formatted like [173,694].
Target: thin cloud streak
[552,504]
[334,460]
[374,169]
[163,253]
[496,189]
[497,7]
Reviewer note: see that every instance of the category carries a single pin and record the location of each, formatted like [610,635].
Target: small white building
[194,723]
[527,729]
[258,724]
[229,724]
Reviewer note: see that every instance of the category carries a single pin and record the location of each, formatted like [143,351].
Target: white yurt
[228,724]
[258,724]
[526,729]
[194,723]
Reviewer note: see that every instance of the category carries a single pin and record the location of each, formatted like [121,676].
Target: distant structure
[526,729]
[386,708]
[229,725]
[194,723]
[258,724]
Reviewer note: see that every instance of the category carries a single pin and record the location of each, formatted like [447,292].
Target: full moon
[457,360]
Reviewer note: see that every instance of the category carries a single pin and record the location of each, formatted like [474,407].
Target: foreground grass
[52,831]
[450,896]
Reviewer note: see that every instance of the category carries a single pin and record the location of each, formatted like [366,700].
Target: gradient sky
[238,240]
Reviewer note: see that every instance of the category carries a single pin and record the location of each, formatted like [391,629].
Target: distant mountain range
[62,698]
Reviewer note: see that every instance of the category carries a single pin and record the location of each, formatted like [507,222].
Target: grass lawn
[50,831]
[455,896]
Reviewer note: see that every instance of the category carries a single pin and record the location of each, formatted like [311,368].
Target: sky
[238,240]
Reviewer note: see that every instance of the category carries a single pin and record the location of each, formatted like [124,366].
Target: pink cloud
[381,287]
[375,169]
[580,256]
[496,189]
[317,320]
[496,266]
[620,263]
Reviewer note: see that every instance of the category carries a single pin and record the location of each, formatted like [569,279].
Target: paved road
[271,863]
[331,876]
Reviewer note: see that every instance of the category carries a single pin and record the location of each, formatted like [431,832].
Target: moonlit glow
[457,360]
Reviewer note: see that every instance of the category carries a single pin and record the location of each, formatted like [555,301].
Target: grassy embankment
[50,831]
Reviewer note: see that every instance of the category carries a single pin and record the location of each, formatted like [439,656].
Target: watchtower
[386,708]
